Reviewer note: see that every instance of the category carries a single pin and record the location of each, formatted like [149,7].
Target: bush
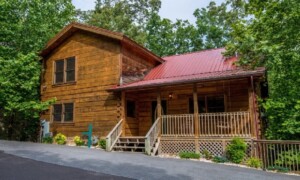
[78,141]
[47,140]
[288,158]
[278,169]
[236,150]
[219,159]
[207,155]
[189,155]
[102,143]
[60,139]
[254,162]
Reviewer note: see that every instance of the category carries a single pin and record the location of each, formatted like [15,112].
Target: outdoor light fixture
[170,95]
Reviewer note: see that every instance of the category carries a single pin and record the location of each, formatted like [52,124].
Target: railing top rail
[235,112]
[116,126]
[278,141]
[177,115]
[153,126]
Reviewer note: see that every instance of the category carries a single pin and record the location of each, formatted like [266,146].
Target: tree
[214,23]
[128,17]
[167,38]
[26,26]
[270,38]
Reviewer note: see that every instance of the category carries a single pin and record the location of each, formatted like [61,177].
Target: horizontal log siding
[97,68]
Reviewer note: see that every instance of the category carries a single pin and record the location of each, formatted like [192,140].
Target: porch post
[196,117]
[159,111]
[123,111]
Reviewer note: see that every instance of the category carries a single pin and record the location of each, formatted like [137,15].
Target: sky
[171,9]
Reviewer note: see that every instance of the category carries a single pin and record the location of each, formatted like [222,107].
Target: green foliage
[26,26]
[207,155]
[219,159]
[270,38]
[78,141]
[189,155]
[254,162]
[236,150]
[128,17]
[47,140]
[102,143]
[278,169]
[60,139]
[288,158]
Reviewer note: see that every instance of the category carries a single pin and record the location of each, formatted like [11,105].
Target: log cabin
[139,101]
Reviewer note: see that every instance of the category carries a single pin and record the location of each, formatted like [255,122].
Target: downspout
[254,108]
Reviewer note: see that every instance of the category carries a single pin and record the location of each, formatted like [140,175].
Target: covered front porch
[170,119]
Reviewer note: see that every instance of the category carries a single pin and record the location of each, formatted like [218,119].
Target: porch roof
[191,68]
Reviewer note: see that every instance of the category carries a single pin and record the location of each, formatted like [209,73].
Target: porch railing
[178,125]
[225,124]
[113,136]
[152,136]
[280,155]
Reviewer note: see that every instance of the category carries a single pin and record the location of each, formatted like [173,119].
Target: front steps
[130,144]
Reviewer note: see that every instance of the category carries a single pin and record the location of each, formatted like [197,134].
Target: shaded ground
[13,168]
[132,165]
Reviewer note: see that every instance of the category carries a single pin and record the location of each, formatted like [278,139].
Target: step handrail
[114,135]
[152,136]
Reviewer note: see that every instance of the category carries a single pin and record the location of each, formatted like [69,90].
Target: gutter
[227,77]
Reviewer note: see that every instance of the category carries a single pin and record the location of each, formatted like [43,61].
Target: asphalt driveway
[14,168]
[132,165]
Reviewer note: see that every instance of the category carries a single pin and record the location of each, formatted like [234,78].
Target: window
[63,112]
[130,109]
[208,104]
[64,70]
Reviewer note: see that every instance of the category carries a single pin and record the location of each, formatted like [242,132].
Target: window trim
[64,72]
[63,113]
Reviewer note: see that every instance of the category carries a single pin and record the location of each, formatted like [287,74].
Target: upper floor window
[64,70]
[63,112]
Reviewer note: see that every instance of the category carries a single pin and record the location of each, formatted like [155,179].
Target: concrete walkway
[132,165]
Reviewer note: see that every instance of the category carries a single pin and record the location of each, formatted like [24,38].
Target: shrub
[189,155]
[288,158]
[219,159]
[78,141]
[236,150]
[254,162]
[278,169]
[102,143]
[60,139]
[47,140]
[207,155]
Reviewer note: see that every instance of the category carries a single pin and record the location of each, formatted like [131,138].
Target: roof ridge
[203,50]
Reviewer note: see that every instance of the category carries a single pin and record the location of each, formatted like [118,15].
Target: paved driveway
[131,165]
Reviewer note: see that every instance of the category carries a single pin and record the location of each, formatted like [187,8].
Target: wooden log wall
[97,69]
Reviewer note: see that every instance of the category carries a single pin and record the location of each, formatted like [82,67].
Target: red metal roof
[196,66]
